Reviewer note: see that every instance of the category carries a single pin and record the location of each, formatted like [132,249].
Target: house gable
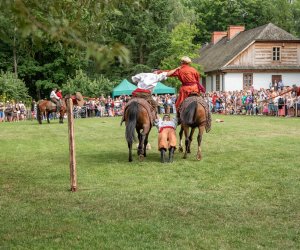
[261,54]
[242,48]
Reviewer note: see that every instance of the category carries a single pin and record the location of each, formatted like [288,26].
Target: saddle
[53,105]
[151,112]
[200,100]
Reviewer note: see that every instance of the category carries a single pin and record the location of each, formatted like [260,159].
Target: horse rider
[167,136]
[59,94]
[190,79]
[146,82]
[54,98]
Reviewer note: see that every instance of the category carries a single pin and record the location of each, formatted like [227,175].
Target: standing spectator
[8,111]
[22,110]
[33,109]
[1,112]
[280,85]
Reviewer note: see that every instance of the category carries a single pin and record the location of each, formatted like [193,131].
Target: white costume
[53,95]
[148,81]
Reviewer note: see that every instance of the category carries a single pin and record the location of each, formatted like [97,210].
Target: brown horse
[136,117]
[48,107]
[195,114]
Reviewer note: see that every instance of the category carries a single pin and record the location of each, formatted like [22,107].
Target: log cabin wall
[261,54]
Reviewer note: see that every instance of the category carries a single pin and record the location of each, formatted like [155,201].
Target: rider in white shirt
[146,82]
[54,98]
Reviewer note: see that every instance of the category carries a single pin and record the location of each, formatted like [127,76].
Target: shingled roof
[215,56]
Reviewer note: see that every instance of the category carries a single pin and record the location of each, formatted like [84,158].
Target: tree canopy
[57,43]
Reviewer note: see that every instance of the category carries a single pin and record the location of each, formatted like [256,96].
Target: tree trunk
[15,54]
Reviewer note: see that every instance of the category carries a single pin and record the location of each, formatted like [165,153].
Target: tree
[87,86]
[12,88]
[72,22]
[182,44]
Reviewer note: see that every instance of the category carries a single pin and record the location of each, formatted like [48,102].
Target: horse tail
[189,113]
[38,113]
[132,112]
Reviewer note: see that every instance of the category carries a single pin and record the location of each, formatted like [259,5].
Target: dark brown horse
[47,107]
[137,119]
[195,114]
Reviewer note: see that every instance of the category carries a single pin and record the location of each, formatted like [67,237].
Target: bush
[87,86]
[12,88]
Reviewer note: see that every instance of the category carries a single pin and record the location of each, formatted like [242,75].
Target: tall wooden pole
[73,174]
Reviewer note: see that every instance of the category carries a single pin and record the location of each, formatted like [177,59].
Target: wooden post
[73,175]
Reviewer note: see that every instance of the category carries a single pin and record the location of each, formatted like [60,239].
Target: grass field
[244,194]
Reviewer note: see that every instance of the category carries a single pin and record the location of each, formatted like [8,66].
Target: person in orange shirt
[190,79]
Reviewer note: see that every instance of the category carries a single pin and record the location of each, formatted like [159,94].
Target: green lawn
[244,194]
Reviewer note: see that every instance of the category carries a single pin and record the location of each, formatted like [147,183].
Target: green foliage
[182,44]
[71,22]
[218,14]
[87,86]
[12,88]
[46,42]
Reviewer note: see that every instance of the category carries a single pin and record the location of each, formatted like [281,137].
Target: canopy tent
[160,88]
[124,88]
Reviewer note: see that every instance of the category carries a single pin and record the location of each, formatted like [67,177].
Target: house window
[217,82]
[248,81]
[276,53]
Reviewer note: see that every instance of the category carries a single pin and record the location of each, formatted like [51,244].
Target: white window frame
[276,54]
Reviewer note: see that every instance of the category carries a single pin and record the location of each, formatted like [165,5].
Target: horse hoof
[130,160]
[141,157]
[180,149]
[199,157]
[185,156]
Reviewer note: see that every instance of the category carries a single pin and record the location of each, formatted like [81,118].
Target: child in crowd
[167,136]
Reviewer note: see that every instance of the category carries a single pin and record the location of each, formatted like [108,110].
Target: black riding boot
[171,153]
[162,155]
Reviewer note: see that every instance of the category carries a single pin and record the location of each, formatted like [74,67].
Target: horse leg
[48,116]
[145,145]
[187,141]
[190,140]
[130,152]
[199,139]
[180,140]
[141,146]
[61,117]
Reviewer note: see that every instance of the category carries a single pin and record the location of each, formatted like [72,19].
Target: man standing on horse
[146,82]
[190,79]
[54,98]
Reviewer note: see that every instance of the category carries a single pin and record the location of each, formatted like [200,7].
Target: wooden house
[237,59]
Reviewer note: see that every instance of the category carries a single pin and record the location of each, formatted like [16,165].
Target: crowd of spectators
[109,107]
[271,102]
[13,111]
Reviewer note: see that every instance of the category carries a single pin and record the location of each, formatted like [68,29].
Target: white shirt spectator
[148,81]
